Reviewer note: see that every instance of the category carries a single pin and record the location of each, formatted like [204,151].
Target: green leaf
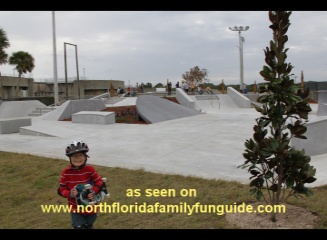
[310,180]
[259,195]
[298,129]
[289,183]
[273,188]
[254,172]
[258,182]
[300,136]
[253,191]
[311,171]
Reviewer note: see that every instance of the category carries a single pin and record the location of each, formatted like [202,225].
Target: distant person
[192,88]
[177,85]
[185,87]
[142,88]
[200,90]
[245,90]
[133,94]
[79,172]
[120,90]
[169,88]
[129,91]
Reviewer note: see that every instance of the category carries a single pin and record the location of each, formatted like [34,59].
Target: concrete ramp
[184,99]
[43,129]
[240,99]
[153,109]
[68,108]
[14,109]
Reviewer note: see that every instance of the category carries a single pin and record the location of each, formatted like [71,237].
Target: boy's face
[78,159]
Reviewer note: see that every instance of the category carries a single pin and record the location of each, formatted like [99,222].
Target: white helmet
[76,146]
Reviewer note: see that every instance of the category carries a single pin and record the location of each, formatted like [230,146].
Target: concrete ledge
[322,109]
[161,90]
[239,98]
[322,96]
[94,117]
[184,99]
[12,125]
[322,103]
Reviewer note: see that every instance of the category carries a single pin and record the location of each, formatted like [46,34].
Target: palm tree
[4,43]
[24,63]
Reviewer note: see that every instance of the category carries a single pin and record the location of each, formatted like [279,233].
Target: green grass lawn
[27,182]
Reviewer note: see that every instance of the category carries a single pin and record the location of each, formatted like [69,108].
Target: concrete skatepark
[203,136]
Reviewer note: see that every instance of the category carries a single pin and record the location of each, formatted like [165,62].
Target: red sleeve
[96,179]
[63,189]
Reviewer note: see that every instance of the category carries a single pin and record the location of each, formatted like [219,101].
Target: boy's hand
[91,196]
[74,192]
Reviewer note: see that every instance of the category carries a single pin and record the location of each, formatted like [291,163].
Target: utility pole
[241,40]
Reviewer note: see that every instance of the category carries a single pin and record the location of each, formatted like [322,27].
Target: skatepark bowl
[202,136]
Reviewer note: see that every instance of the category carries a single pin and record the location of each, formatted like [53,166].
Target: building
[8,86]
[314,88]
[81,89]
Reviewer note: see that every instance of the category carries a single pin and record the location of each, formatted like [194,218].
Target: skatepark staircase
[41,110]
[209,97]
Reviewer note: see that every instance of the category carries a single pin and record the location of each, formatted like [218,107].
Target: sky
[153,46]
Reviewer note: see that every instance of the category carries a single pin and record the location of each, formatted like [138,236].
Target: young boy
[79,172]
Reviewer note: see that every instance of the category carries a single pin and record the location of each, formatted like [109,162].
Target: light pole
[79,95]
[241,40]
[84,73]
[55,75]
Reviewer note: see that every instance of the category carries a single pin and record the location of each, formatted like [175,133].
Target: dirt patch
[126,114]
[293,218]
[173,99]
[312,101]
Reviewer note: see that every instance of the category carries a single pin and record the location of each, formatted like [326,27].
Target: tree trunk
[18,84]
[273,214]
[1,91]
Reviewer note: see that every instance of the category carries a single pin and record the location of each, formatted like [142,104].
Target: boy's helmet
[76,146]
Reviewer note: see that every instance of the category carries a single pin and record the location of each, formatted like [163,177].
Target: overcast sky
[153,46]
